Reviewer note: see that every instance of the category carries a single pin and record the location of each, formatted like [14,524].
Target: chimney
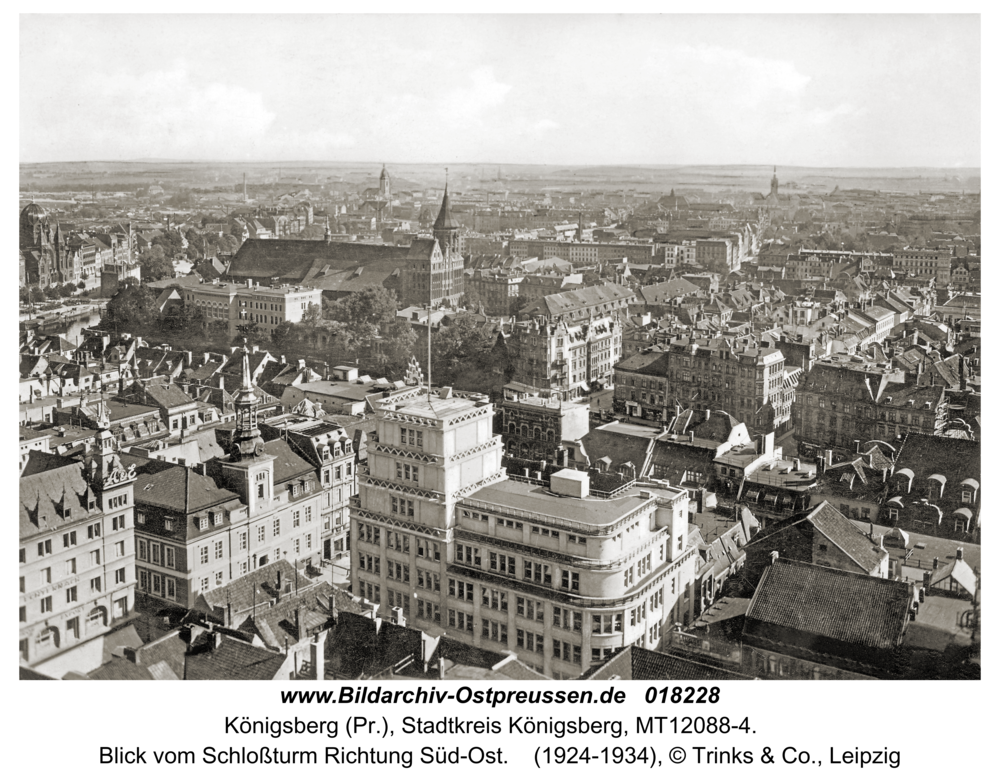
[774,556]
[796,464]
[857,447]
[934,564]
[927,581]
[959,554]
[820,464]
[216,639]
[221,381]
[317,657]
[691,436]
[300,623]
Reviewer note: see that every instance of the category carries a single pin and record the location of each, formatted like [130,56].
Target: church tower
[246,438]
[248,471]
[774,183]
[445,228]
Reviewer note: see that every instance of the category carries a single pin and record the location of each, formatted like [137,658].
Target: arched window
[46,638]
[97,618]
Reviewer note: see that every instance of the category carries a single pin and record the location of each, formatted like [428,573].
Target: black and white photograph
[437,348]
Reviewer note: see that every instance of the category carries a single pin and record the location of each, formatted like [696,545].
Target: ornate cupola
[246,438]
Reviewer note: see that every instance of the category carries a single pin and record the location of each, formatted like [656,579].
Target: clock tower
[249,471]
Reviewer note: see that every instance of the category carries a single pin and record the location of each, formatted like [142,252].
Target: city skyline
[811,90]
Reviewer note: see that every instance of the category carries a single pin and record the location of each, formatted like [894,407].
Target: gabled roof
[832,604]
[839,531]
[233,660]
[959,571]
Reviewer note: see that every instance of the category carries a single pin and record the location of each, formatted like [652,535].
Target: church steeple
[445,228]
[774,182]
[246,438]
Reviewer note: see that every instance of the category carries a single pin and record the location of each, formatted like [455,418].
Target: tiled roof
[830,603]
[840,531]
[287,464]
[176,487]
[578,299]
[53,491]
[260,585]
[118,669]
[955,458]
[295,259]
[233,660]
[166,396]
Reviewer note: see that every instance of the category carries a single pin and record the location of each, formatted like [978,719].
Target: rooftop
[833,604]
[538,502]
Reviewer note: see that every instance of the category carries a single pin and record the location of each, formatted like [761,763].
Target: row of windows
[411,437]
[72,593]
[156,553]
[70,539]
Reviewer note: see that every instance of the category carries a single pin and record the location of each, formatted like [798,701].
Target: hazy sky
[791,90]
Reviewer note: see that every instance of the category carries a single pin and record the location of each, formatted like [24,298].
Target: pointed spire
[444,220]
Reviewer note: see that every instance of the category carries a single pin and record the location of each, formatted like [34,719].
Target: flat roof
[435,408]
[535,500]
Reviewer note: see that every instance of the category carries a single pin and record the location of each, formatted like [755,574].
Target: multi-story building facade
[534,428]
[845,401]
[748,382]
[564,578]
[496,290]
[199,529]
[642,387]
[582,254]
[428,452]
[238,305]
[542,284]
[925,264]
[77,562]
[330,450]
[571,341]
[269,306]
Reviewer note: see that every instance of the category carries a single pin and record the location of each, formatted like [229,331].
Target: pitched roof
[301,260]
[638,664]
[176,487]
[653,363]
[832,604]
[568,301]
[839,530]
[233,660]
[52,490]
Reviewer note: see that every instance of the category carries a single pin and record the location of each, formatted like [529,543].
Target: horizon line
[485,163]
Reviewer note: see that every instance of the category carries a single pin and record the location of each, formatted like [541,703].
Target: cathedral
[46,257]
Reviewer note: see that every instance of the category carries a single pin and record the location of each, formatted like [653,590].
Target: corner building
[561,574]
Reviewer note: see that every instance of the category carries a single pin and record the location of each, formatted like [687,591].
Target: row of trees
[34,294]
[360,329]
